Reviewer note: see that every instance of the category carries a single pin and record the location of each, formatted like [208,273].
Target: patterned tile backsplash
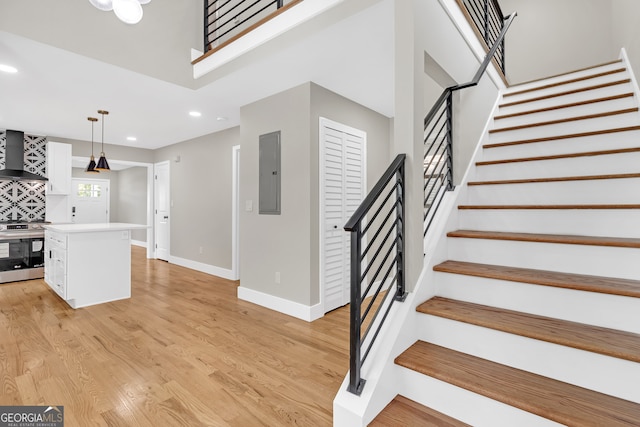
[24,200]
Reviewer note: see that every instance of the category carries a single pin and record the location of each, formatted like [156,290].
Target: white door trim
[324,122]
[155,217]
[235,213]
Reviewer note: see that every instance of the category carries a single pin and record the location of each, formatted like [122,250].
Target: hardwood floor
[183,351]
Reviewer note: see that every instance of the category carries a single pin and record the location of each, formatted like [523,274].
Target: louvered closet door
[342,191]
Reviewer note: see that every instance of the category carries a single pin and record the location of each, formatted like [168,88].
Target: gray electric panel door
[269,186]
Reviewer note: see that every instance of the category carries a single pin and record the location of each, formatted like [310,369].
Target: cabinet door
[58,168]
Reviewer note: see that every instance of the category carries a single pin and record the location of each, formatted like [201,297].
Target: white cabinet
[89,264]
[58,168]
[55,263]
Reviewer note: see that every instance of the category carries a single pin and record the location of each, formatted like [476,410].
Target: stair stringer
[402,325]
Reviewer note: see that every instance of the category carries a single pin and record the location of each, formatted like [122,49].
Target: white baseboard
[291,308]
[138,243]
[199,266]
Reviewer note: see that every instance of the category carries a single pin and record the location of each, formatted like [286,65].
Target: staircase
[536,318]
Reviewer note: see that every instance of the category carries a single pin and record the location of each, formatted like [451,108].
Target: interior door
[162,207]
[89,201]
[342,185]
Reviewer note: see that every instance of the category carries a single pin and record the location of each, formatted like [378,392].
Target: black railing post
[487,33]
[205,35]
[356,383]
[450,141]
[280,3]
[401,293]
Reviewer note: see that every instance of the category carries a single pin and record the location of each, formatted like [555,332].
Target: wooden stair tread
[566,120]
[561,156]
[566,136]
[567,92]
[581,282]
[548,238]
[562,106]
[593,67]
[405,412]
[565,82]
[609,342]
[555,400]
[556,179]
[550,207]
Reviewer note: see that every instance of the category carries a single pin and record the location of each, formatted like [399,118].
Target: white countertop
[90,228]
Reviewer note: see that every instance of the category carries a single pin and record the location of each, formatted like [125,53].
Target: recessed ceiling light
[195,113]
[132,138]
[8,68]
[221,119]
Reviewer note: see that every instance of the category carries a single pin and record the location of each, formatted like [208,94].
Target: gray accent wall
[277,243]
[201,190]
[289,243]
[132,199]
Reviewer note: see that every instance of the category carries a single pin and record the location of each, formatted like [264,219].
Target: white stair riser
[611,141]
[597,191]
[593,308]
[464,405]
[573,166]
[613,376]
[566,128]
[565,77]
[595,81]
[582,222]
[505,108]
[578,259]
[565,113]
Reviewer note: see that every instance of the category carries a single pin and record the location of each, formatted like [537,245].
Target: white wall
[158,46]
[626,31]
[554,36]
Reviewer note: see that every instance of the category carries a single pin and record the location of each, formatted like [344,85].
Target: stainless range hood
[14,159]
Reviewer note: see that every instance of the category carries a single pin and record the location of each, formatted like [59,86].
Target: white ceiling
[56,90]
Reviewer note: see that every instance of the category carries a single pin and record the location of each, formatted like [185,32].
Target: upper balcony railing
[226,20]
[488,19]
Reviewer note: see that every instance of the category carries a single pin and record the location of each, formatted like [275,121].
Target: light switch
[248,205]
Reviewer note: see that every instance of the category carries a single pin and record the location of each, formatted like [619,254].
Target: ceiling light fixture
[195,113]
[91,167]
[8,68]
[128,11]
[132,138]
[103,165]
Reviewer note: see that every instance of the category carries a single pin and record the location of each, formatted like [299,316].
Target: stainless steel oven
[21,251]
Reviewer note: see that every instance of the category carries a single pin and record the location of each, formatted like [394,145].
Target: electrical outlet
[277,277]
[200,249]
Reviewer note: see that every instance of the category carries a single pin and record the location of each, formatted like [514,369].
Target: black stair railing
[438,137]
[488,19]
[224,19]
[378,226]
[377,264]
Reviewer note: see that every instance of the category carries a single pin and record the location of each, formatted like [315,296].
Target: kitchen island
[87,264]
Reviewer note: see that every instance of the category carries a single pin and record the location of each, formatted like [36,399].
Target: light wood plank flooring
[183,351]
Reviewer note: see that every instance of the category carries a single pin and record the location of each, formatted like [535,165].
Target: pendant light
[92,162]
[102,165]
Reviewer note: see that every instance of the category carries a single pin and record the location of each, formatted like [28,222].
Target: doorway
[89,201]
[342,189]
[161,211]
